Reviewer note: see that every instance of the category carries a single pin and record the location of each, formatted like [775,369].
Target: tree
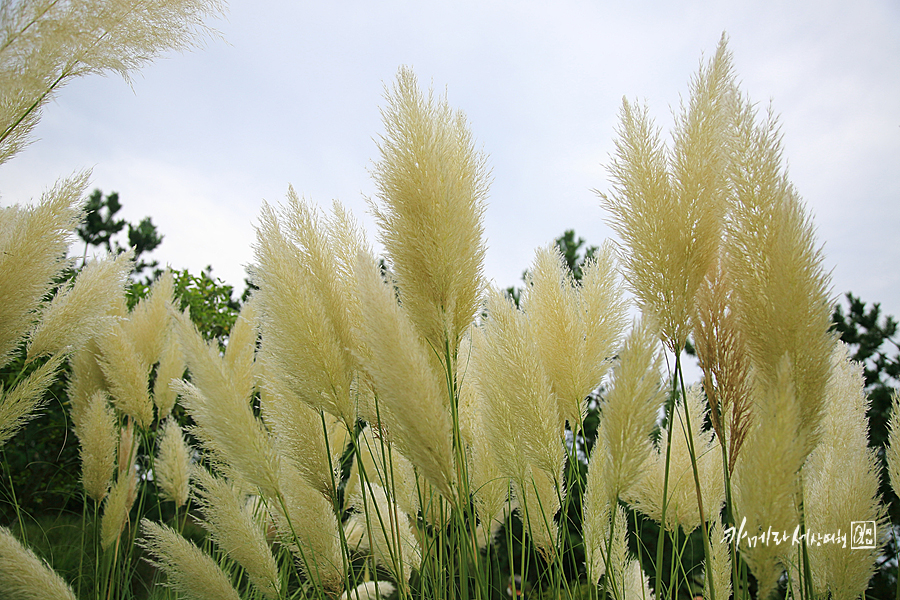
[100,227]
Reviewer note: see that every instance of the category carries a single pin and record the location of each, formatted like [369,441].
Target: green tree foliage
[100,227]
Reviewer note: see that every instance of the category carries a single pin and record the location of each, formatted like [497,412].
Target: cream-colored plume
[717,568]
[189,570]
[389,531]
[765,491]
[667,205]
[409,391]
[575,326]
[98,437]
[24,576]
[47,44]
[306,523]
[219,400]
[841,480]
[303,300]
[171,366]
[628,414]
[299,434]
[173,464]
[892,448]
[126,375]
[19,404]
[149,323]
[387,467]
[117,507]
[432,184]
[80,312]
[236,531]
[33,242]
[781,291]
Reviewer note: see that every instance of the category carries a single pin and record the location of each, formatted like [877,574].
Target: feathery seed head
[25,576]
[408,389]
[98,436]
[305,312]
[432,184]
[188,569]
[19,404]
[80,312]
[33,242]
[173,465]
[126,375]
[668,206]
[236,530]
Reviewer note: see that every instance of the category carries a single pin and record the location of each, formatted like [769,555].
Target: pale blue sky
[291,95]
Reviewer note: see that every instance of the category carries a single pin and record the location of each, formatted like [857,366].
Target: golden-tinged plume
[33,242]
[575,327]
[432,184]
[668,206]
[126,375]
[304,304]
[189,571]
[240,353]
[682,504]
[408,389]
[173,464]
[841,480]
[781,291]
[725,361]
[98,437]
[19,404]
[82,311]
[24,576]
[228,519]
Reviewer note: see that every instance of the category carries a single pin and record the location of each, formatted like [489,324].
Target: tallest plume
[432,184]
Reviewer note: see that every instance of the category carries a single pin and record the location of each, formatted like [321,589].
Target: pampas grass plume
[126,374]
[236,530]
[82,311]
[19,404]
[408,389]
[24,576]
[33,241]
[98,436]
[432,184]
[173,464]
[189,571]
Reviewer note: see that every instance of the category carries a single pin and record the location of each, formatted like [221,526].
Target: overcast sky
[291,95]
